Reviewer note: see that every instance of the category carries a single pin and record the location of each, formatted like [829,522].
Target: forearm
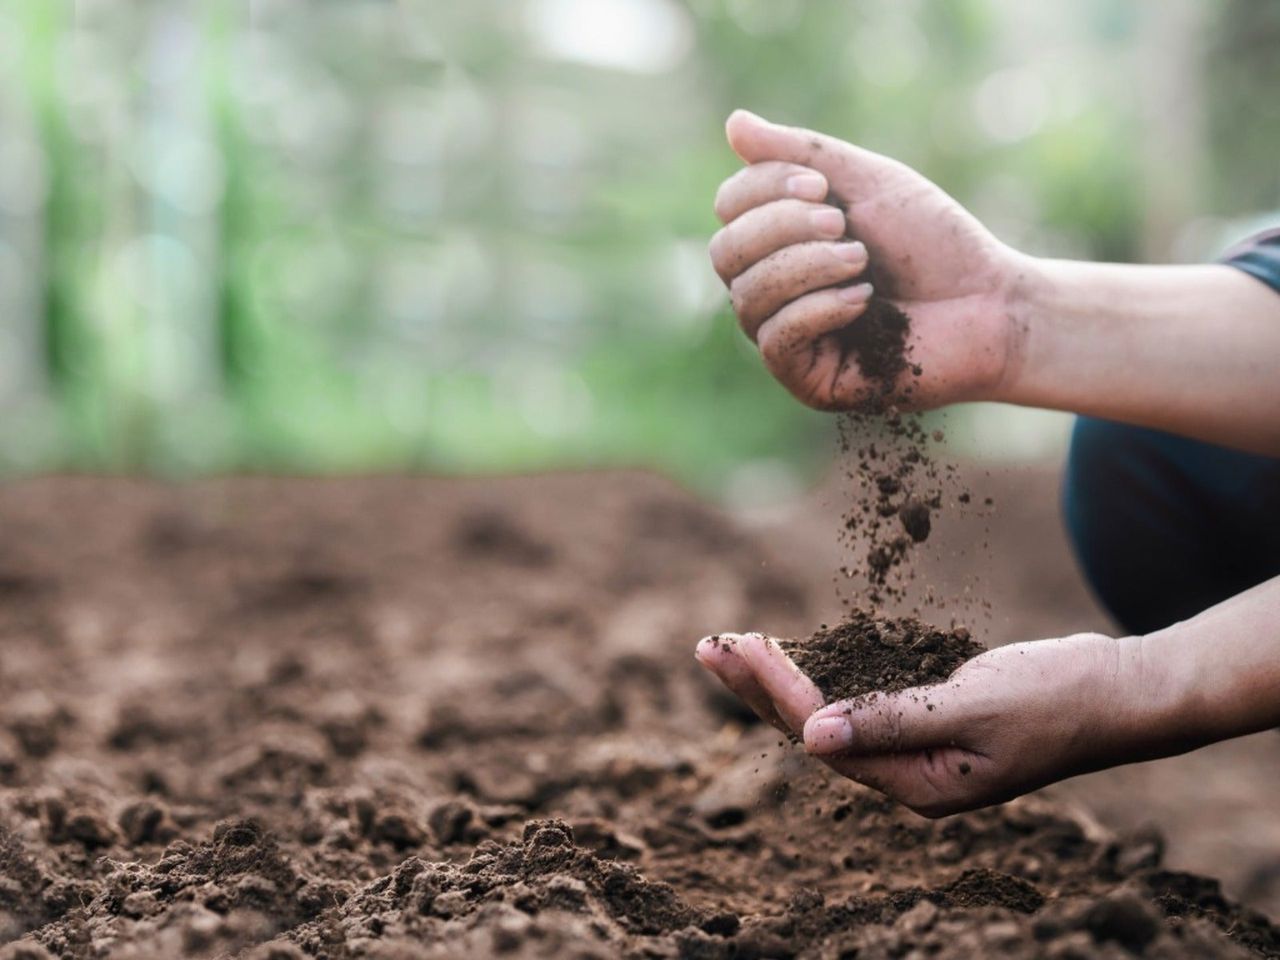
[1215,676]
[1191,350]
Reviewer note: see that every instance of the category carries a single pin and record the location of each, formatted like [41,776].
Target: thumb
[921,718]
[755,139]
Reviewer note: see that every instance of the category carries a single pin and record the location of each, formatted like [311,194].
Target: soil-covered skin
[411,718]
[868,654]
[877,340]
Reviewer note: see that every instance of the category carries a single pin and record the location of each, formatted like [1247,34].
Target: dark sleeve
[1259,256]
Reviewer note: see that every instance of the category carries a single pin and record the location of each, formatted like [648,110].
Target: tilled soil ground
[401,718]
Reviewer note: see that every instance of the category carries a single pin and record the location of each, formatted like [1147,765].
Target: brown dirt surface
[428,718]
[867,654]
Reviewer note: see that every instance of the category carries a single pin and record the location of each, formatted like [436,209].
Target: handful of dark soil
[877,340]
[867,654]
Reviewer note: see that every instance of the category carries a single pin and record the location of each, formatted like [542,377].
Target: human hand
[783,251]
[1008,721]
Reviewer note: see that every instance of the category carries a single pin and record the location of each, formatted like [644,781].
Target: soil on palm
[868,654]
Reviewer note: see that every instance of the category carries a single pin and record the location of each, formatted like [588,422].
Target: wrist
[1137,701]
[1024,302]
[1166,678]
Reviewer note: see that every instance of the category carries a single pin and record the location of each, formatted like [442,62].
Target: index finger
[762,183]
[721,655]
[793,694]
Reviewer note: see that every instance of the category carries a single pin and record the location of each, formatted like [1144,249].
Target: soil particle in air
[896,491]
[898,485]
[914,515]
[896,474]
[866,654]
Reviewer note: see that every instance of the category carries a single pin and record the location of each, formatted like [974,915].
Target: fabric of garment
[1163,526]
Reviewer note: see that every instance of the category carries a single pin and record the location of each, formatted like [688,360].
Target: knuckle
[810,391]
[887,734]
[723,205]
[788,221]
[810,263]
[932,809]
[771,350]
[745,301]
[738,297]
[716,249]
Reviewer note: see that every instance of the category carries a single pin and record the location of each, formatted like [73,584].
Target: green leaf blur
[298,235]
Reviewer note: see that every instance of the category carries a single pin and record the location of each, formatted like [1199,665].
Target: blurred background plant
[318,235]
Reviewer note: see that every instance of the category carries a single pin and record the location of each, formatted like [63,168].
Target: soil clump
[877,339]
[866,654]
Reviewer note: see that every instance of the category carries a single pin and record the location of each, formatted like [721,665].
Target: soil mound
[318,730]
[866,654]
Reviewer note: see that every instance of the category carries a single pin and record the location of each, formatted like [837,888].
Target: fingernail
[807,186]
[851,252]
[856,294]
[829,222]
[828,735]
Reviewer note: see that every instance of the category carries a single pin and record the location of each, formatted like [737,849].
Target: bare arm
[1222,668]
[1191,350]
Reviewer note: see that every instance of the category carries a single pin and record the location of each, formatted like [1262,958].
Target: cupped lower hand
[1008,721]
[792,270]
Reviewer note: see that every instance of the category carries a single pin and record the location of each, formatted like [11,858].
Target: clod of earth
[867,654]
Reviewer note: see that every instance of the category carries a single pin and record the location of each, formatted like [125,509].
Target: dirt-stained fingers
[768,228]
[792,693]
[922,718]
[857,173]
[722,656]
[762,183]
[796,347]
[765,288]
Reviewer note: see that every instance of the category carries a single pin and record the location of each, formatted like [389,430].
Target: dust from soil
[412,718]
[867,654]
[896,483]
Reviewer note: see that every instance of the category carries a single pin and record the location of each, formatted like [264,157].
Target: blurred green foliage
[299,235]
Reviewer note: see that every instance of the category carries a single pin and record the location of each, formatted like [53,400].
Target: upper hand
[1008,721]
[783,250]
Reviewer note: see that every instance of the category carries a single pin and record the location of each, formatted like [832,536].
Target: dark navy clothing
[1164,526]
[1259,256]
